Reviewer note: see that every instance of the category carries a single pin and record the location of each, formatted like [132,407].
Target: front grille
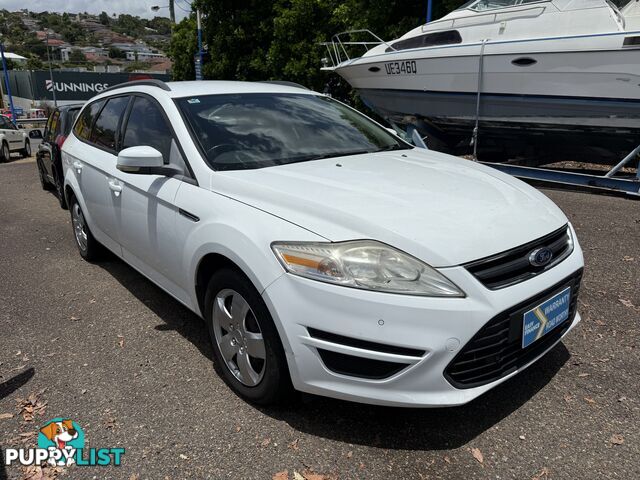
[496,350]
[513,266]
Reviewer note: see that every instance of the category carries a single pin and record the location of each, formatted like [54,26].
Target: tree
[104,18]
[34,63]
[258,40]
[182,48]
[76,56]
[115,52]
[161,25]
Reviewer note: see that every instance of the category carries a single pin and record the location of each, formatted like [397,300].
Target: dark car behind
[48,157]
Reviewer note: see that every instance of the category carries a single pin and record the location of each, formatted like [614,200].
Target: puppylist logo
[61,443]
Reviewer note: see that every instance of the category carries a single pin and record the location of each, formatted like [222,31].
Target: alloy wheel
[79,226]
[239,337]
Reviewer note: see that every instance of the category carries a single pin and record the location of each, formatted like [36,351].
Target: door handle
[78,166]
[115,187]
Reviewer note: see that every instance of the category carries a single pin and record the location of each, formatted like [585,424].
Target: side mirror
[142,160]
[392,131]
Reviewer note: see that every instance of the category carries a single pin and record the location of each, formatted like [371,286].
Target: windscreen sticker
[193,100]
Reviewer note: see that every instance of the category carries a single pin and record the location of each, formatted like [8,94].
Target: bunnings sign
[69,86]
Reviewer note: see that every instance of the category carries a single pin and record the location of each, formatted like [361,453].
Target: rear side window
[147,126]
[82,129]
[104,131]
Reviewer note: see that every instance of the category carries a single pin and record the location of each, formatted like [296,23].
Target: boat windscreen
[484,5]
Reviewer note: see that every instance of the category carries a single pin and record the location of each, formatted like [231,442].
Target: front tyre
[87,245]
[247,348]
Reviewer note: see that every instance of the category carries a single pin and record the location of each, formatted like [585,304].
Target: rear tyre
[5,153]
[26,151]
[44,183]
[87,245]
[247,349]
[59,187]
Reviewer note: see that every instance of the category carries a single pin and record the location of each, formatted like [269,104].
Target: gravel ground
[100,344]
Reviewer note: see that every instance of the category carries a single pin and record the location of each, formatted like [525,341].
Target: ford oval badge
[540,257]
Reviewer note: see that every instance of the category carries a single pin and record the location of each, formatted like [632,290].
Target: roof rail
[151,82]
[285,83]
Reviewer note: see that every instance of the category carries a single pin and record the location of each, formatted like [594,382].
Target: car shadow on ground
[382,427]
[9,386]
[176,317]
[425,428]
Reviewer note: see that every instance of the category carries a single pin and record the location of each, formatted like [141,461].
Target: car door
[148,211]
[9,133]
[94,165]
[45,149]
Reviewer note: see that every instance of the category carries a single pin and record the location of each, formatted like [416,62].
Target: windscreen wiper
[390,148]
[325,155]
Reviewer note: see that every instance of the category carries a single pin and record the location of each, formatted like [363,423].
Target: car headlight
[364,264]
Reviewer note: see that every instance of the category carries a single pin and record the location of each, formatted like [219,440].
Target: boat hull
[591,97]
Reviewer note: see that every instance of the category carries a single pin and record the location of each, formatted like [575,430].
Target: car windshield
[244,131]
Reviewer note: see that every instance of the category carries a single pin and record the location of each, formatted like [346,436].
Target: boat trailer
[614,180]
[628,184]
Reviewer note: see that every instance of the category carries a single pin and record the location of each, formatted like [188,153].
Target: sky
[142,8]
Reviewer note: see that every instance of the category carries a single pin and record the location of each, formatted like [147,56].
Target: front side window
[83,126]
[104,131]
[147,126]
[243,131]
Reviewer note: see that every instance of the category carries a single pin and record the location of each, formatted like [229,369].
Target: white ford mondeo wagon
[324,253]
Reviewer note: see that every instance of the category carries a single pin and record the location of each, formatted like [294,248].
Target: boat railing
[343,47]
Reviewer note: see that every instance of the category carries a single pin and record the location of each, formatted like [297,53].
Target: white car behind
[12,140]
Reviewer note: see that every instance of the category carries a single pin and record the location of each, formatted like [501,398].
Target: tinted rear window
[105,129]
[85,122]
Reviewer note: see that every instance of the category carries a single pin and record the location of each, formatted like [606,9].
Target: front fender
[234,230]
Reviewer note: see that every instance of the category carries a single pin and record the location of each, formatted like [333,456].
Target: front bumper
[426,334]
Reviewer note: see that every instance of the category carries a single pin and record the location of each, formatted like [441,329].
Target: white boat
[534,76]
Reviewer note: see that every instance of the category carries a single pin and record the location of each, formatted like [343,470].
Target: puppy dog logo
[61,443]
[63,435]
